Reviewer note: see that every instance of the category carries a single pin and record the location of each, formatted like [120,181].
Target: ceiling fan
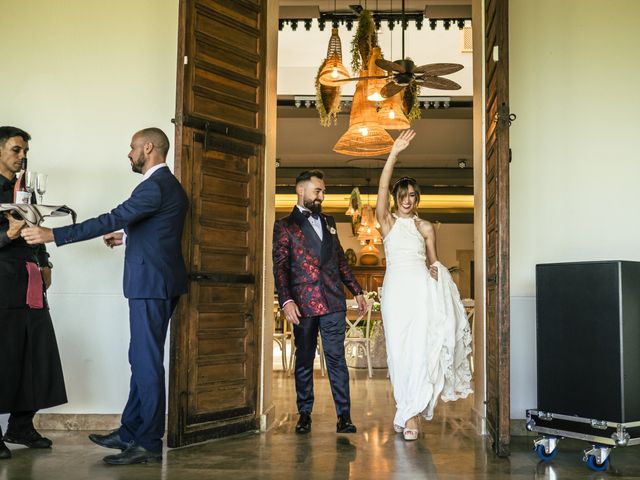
[404,72]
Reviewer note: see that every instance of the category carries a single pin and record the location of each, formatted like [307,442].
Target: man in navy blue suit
[154,278]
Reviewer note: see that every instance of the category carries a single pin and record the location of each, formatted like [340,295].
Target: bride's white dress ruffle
[427,333]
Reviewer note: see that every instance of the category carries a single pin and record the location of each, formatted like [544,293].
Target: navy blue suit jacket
[152,218]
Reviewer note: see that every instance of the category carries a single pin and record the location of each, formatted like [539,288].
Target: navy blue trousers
[332,330]
[143,416]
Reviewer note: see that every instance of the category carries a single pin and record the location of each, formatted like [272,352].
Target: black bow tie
[308,214]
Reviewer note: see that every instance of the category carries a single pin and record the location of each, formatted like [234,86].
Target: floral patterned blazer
[310,271]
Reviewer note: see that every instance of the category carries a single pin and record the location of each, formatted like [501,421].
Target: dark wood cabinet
[369,278]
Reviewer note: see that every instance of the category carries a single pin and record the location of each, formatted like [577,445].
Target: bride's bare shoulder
[424,226]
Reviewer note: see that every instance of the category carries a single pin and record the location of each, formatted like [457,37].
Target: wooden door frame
[480,122]
[479,217]
[266,407]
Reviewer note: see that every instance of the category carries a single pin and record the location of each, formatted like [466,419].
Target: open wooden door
[498,121]
[219,121]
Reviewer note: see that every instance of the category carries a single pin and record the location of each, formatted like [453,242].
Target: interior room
[440,158]
[525,164]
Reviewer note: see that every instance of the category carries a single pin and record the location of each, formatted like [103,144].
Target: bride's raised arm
[383,213]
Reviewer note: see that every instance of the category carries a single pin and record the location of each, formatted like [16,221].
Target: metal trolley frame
[602,434]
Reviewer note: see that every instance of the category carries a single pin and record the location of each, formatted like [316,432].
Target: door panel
[219,148]
[497,224]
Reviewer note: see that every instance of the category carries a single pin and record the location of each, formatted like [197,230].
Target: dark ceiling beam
[373,189]
[433,215]
[351,176]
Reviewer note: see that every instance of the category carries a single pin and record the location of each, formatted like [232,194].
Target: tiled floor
[448,448]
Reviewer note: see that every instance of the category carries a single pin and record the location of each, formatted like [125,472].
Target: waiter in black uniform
[30,370]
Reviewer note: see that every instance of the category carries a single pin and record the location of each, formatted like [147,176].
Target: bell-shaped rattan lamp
[365,136]
[375,84]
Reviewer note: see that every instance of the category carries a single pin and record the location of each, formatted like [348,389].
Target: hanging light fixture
[391,115]
[374,85]
[333,69]
[365,137]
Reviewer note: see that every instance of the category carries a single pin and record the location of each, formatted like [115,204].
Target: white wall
[81,76]
[574,194]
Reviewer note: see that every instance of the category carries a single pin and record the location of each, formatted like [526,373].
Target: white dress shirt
[316,223]
[151,171]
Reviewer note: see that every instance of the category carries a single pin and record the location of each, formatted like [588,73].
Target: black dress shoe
[4,451]
[133,454]
[29,438]
[111,440]
[344,424]
[304,423]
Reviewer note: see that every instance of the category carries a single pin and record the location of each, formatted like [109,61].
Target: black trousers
[20,422]
[332,331]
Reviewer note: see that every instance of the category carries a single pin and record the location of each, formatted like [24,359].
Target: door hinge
[186,60]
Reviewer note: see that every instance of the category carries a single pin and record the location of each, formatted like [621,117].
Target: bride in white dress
[427,332]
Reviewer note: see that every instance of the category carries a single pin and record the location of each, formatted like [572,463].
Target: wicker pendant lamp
[365,136]
[333,69]
[368,229]
[391,116]
[375,84]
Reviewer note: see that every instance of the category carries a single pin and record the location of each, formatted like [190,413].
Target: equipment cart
[588,358]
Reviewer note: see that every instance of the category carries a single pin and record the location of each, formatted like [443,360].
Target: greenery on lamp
[363,41]
[328,101]
[410,102]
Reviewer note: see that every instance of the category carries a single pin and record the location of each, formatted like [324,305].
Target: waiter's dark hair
[307,174]
[9,132]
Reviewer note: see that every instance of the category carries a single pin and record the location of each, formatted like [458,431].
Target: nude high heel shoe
[411,434]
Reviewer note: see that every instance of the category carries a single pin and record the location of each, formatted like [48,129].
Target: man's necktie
[308,214]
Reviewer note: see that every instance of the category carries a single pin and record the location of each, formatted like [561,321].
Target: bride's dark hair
[400,190]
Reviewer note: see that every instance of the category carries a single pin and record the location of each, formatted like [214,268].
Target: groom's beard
[315,206]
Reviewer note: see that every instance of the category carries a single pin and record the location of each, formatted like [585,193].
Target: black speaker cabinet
[588,339]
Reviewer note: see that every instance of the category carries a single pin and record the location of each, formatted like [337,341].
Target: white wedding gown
[427,332]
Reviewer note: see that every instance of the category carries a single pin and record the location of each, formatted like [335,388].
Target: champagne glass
[30,180]
[41,185]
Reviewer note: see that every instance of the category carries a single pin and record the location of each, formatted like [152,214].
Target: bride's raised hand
[402,142]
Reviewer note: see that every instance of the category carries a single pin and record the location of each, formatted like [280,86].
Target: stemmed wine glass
[41,185]
[30,181]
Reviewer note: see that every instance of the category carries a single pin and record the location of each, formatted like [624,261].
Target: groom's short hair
[307,174]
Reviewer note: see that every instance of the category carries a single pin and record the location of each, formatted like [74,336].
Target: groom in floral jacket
[310,267]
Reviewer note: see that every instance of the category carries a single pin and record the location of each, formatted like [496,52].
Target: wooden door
[497,217]
[219,121]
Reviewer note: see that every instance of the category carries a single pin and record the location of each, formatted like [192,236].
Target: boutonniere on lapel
[332,230]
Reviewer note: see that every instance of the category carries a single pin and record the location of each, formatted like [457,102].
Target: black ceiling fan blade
[390,66]
[355,79]
[436,69]
[391,89]
[440,83]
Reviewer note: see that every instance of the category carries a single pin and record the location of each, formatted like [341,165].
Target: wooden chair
[282,333]
[292,358]
[354,336]
[470,309]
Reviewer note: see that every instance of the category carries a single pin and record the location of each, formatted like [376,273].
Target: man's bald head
[156,137]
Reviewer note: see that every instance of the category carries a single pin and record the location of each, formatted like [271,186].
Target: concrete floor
[448,448]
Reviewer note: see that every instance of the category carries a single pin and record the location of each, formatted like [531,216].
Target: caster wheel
[593,464]
[544,456]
